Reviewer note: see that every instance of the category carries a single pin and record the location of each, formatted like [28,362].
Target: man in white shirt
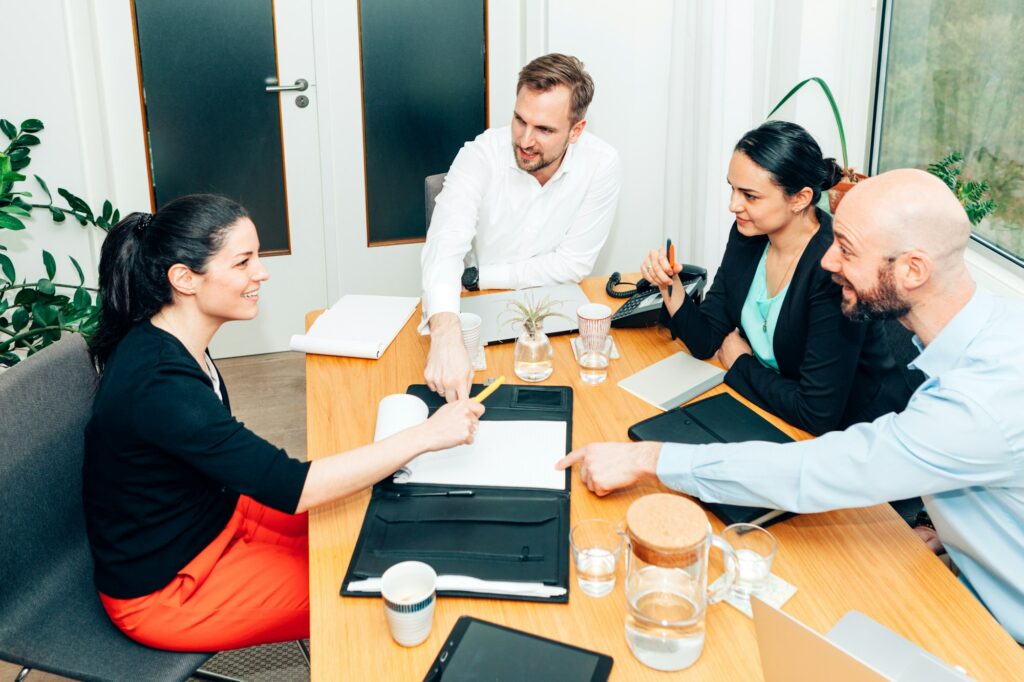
[526,205]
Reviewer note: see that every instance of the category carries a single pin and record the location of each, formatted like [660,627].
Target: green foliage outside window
[955,81]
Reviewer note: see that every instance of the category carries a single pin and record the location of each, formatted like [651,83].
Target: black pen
[446,493]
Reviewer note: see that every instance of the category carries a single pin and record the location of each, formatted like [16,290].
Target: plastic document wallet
[718,419]
[497,534]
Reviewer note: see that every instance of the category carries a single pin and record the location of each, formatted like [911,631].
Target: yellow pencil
[479,397]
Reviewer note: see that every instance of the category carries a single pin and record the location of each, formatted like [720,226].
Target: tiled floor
[268,394]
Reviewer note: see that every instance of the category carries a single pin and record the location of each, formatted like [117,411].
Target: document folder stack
[497,534]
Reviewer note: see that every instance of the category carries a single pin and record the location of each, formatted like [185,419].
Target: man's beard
[881,303]
[539,164]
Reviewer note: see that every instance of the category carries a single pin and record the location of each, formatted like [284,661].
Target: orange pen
[671,260]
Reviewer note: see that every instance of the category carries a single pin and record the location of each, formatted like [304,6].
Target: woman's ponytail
[138,252]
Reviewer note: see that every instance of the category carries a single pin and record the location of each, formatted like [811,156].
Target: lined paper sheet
[357,326]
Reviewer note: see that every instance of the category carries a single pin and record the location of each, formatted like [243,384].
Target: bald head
[908,209]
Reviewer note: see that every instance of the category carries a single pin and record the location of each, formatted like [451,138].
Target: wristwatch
[471,279]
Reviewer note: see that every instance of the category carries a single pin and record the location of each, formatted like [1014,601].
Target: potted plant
[850,176]
[970,194]
[534,356]
[35,314]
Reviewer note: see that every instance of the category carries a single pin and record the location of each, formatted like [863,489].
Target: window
[952,79]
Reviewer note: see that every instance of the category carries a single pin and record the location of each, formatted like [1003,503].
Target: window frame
[874,138]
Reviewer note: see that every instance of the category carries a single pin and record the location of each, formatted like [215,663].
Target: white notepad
[512,454]
[673,381]
[357,326]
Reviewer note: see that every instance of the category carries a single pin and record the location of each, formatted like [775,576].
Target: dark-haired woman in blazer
[772,316]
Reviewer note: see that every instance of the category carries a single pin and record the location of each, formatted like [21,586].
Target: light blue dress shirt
[959,444]
[760,314]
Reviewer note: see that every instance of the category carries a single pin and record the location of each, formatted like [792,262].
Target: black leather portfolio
[718,419]
[495,533]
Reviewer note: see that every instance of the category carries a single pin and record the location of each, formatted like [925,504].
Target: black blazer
[832,372]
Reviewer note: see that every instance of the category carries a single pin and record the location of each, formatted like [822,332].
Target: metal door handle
[300,85]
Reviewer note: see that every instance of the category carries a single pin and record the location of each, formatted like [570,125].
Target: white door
[298,281]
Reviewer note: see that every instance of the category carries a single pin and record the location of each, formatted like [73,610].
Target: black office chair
[51,616]
[432,186]
[903,351]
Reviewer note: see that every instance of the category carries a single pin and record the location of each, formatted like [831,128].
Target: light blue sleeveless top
[760,314]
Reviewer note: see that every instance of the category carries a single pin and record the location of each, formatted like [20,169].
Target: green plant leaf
[8,129]
[9,359]
[49,263]
[56,214]
[45,286]
[32,125]
[108,210]
[45,315]
[21,162]
[832,103]
[4,305]
[8,268]
[9,222]
[26,296]
[78,269]
[17,155]
[27,140]
[82,299]
[14,209]
[19,319]
[46,189]
[76,203]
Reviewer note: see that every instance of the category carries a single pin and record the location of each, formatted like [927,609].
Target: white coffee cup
[471,324]
[408,589]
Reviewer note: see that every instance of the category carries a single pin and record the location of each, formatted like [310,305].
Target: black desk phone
[644,305]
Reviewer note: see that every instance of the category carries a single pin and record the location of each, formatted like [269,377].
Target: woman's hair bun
[833,174]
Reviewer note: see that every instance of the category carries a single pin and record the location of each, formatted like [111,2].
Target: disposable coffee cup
[408,589]
[471,323]
[594,319]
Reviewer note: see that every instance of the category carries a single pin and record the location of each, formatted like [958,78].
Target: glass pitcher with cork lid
[667,595]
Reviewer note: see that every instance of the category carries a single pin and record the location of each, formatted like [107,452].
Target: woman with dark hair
[772,316]
[197,525]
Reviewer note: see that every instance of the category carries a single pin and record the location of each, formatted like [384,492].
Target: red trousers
[249,586]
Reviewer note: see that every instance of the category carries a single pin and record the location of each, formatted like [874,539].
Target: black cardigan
[832,372]
[164,464]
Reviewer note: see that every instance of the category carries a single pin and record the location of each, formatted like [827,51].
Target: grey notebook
[671,382]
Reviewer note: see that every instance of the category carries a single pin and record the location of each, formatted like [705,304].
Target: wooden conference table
[863,559]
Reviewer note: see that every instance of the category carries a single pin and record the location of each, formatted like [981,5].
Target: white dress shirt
[959,444]
[517,232]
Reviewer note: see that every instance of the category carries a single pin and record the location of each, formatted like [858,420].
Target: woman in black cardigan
[772,316]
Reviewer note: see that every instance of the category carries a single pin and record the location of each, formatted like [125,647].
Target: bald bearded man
[898,253]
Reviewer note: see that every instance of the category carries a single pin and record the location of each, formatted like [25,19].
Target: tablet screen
[489,652]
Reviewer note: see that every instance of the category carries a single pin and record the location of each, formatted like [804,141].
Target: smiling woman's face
[229,289]
[760,205]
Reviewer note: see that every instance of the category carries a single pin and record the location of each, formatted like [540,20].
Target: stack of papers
[357,326]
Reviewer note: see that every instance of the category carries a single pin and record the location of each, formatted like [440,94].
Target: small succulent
[531,314]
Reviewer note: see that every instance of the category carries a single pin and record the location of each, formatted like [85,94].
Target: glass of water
[596,546]
[594,352]
[755,550]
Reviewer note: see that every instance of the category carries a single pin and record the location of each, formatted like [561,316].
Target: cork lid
[666,523]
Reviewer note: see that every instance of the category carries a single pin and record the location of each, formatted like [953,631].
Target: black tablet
[478,650]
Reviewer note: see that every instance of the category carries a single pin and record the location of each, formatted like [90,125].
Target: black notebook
[718,419]
[486,532]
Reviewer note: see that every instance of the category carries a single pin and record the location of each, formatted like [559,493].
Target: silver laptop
[493,309]
[856,649]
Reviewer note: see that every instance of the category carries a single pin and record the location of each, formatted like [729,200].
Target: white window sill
[994,272]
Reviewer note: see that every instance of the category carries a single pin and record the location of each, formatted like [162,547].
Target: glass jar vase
[534,356]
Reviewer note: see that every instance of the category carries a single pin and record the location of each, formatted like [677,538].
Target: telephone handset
[644,305]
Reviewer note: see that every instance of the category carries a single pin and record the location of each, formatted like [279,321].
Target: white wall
[677,84]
